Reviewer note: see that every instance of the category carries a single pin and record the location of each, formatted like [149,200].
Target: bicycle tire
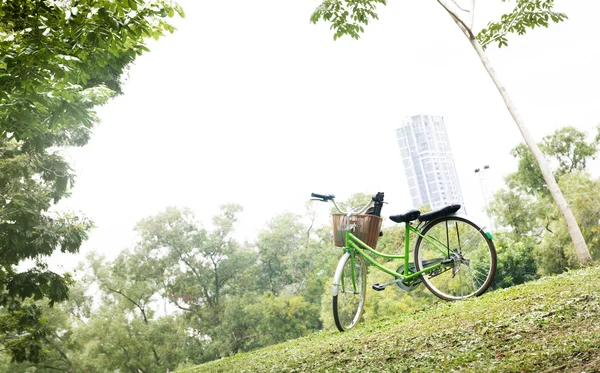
[349,301]
[473,253]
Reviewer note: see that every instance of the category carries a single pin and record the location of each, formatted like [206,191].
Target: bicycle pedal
[378,287]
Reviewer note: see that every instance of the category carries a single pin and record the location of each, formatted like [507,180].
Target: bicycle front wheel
[467,254]
[349,290]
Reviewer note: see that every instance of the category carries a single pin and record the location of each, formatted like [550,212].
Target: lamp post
[484,190]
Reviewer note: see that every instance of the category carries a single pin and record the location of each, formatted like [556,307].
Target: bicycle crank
[408,287]
[400,283]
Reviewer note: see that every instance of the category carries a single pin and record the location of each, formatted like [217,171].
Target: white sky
[250,103]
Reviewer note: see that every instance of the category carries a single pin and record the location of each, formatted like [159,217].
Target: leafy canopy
[347,17]
[58,60]
[526,15]
[525,209]
[567,148]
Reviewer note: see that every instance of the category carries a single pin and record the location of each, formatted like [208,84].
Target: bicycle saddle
[444,211]
[406,217]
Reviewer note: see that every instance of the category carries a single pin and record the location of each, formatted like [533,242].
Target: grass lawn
[550,325]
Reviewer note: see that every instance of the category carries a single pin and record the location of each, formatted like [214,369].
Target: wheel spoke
[348,303]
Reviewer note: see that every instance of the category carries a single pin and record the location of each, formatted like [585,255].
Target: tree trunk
[581,249]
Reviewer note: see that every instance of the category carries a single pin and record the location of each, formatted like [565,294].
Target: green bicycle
[453,257]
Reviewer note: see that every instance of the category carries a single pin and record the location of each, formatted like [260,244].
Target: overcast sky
[250,103]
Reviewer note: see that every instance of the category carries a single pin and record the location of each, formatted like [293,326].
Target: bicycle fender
[338,274]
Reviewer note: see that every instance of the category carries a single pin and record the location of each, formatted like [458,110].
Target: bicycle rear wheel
[470,256]
[349,289]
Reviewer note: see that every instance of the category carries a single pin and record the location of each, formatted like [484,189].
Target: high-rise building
[428,163]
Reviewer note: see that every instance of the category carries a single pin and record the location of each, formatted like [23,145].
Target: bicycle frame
[353,244]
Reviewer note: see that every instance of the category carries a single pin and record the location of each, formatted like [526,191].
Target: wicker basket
[367,228]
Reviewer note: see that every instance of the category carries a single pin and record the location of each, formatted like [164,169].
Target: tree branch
[312,223]
[472,14]
[60,352]
[156,358]
[187,263]
[38,367]
[246,337]
[512,22]
[465,29]
[271,277]
[141,308]
[128,358]
[216,272]
[180,306]
[459,7]
[77,316]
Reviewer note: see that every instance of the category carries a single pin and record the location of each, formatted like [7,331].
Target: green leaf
[179,10]
[56,66]
[346,16]
[525,15]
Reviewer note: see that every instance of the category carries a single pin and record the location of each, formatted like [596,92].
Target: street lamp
[484,189]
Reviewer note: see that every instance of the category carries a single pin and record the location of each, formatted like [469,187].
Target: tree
[200,264]
[202,269]
[114,341]
[583,194]
[567,148]
[348,16]
[130,330]
[516,260]
[290,279]
[58,60]
[526,208]
[255,320]
[220,300]
[523,214]
[61,349]
[280,254]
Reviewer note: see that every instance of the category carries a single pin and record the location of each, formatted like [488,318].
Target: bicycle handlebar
[323,197]
[377,199]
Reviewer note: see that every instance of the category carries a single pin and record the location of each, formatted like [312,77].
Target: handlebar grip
[378,198]
[324,197]
[378,203]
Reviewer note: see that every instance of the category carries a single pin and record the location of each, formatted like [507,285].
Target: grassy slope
[551,325]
